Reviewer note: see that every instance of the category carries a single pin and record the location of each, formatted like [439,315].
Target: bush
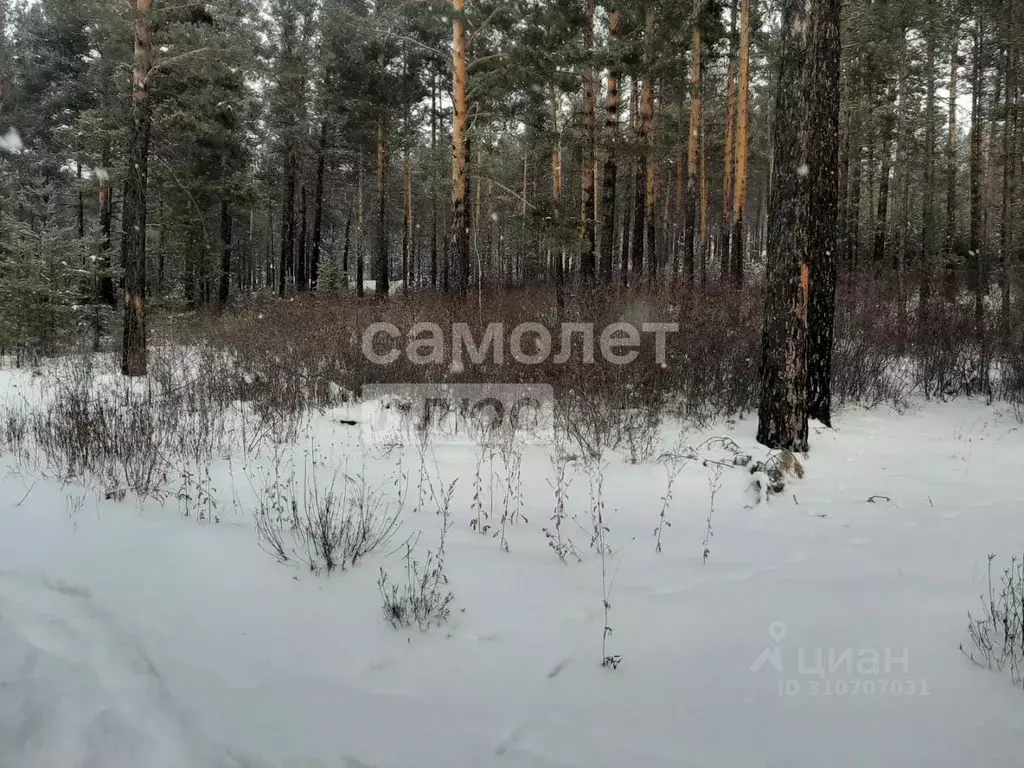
[997,635]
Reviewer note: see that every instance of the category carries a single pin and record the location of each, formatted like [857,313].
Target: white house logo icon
[772,654]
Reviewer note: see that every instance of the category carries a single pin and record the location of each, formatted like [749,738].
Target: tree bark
[301,279]
[950,256]
[823,155]
[693,153]
[459,225]
[782,415]
[729,161]
[927,268]
[742,145]
[133,247]
[588,256]
[382,275]
[611,135]
[318,208]
[224,288]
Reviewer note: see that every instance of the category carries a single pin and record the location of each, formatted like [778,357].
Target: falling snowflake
[803,170]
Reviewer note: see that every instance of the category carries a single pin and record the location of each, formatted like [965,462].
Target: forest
[511,383]
[169,157]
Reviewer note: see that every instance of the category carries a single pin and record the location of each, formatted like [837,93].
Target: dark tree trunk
[629,206]
[106,282]
[976,272]
[301,279]
[611,133]
[382,213]
[823,155]
[950,281]
[782,415]
[318,209]
[287,223]
[433,193]
[588,256]
[928,240]
[344,252]
[639,217]
[225,252]
[882,216]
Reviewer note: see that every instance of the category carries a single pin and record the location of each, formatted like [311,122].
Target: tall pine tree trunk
[318,208]
[133,243]
[588,256]
[224,288]
[360,219]
[106,283]
[950,256]
[742,145]
[927,269]
[976,272]
[692,153]
[611,135]
[1009,184]
[301,280]
[822,247]
[407,243]
[782,415]
[729,161]
[287,222]
[882,214]
[556,193]
[382,211]
[433,192]
[459,225]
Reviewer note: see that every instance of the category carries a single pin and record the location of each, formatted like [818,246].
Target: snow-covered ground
[133,637]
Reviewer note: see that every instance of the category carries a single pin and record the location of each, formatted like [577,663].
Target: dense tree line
[184,153]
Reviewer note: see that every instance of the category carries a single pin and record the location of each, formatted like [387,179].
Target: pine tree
[782,415]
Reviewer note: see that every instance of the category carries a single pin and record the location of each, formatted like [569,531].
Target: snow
[10,142]
[131,636]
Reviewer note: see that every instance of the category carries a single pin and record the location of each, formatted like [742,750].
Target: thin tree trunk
[224,288]
[611,133]
[927,269]
[977,278]
[459,250]
[301,283]
[106,282]
[382,210]
[588,256]
[882,215]
[433,193]
[407,225]
[556,194]
[318,207]
[729,161]
[951,203]
[742,145]
[360,218]
[133,248]
[629,207]
[287,223]
[693,154]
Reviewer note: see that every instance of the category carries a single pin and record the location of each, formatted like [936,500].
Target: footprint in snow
[77,691]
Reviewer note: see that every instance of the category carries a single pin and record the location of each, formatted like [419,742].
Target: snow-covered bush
[997,633]
[422,596]
[324,527]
